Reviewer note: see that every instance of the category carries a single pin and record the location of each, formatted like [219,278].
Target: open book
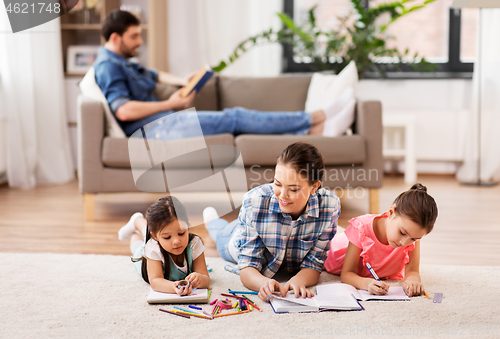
[198,80]
[395,292]
[200,296]
[338,297]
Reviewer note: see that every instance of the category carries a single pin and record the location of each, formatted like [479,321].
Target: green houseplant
[361,36]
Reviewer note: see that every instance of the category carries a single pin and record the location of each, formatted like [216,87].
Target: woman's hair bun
[419,187]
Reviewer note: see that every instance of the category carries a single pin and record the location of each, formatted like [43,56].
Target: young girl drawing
[388,242]
[164,252]
[286,224]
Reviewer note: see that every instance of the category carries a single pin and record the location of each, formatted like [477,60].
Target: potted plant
[361,36]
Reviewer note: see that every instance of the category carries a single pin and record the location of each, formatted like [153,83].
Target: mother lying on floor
[286,225]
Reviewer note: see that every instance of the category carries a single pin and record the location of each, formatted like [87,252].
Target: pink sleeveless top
[388,262]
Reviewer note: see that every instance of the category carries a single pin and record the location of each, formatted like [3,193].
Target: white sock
[341,122]
[209,214]
[338,104]
[125,233]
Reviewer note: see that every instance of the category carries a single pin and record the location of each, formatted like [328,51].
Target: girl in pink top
[389,242]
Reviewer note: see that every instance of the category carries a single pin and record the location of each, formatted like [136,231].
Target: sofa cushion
[90,89]
[263,150]
[205,100]
[115,151]
[281,93]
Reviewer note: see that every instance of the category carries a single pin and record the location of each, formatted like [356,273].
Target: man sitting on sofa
[128,89]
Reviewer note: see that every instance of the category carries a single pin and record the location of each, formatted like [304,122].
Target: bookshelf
[154,27]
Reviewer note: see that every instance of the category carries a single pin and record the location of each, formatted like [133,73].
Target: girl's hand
[182,290]
[298,287]
[413,288]
[267,288]
[378,287]
[194,279]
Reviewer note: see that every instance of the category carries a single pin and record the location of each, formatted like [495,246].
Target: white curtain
[207,31]
[489,66]
[32,99]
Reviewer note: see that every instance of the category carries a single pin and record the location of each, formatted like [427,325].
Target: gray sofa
[351,160]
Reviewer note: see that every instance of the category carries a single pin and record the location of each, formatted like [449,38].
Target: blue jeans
[237,120]
[221,231]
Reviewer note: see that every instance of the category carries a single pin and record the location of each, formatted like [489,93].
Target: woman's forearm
[307,276]
[252,278]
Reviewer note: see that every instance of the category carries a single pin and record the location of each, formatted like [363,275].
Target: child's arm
[199,278]
[255,281]
[412,285]
[350,276]
[156,279]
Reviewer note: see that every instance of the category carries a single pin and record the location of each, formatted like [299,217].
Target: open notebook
[395,292]
[338,297]
[200,296]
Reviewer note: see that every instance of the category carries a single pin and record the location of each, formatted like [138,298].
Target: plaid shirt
[264,227]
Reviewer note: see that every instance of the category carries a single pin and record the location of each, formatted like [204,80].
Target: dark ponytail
[418,206]
[305,159]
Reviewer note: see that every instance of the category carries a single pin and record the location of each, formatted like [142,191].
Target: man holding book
[128,88]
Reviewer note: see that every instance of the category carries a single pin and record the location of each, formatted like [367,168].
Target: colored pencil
[214,309]
[247,298]
[213,302]
[243,292]
[427,295]
[195,307]
[251,303]
[232,296]
[233,313]
[186,310]
[193,314]
[235,304]
[174,313]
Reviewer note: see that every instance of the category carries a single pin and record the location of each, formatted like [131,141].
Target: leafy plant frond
[360,36]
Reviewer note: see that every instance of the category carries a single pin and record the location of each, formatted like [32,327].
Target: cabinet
[153,23]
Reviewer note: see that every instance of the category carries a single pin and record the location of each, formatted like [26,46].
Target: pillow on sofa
[90,89]
[324,89]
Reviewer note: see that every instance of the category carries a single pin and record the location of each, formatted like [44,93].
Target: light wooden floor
[50,219]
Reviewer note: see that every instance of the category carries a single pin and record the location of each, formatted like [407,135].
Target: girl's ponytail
[418,206]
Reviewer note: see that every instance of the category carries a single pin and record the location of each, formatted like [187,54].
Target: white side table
[399,141]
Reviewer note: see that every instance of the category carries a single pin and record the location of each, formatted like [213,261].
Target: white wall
[441,108]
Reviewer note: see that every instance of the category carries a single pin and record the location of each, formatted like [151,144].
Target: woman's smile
[284,203]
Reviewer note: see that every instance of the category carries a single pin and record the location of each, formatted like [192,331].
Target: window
[443,35]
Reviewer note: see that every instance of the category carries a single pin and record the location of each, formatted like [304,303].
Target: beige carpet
[98,296]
